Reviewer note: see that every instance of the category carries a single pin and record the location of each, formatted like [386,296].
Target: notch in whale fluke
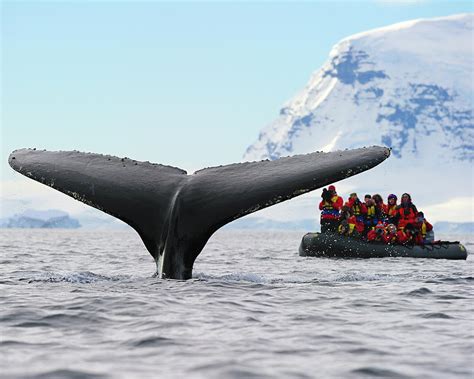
[175,213]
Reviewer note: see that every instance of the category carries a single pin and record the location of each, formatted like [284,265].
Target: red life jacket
[373,236]
[351,221]
[356,224]
[424,227]
[408,239]
[391,210]
[406,215]
[330,210]
[358,209]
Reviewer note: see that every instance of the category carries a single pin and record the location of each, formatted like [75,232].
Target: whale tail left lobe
[138,193]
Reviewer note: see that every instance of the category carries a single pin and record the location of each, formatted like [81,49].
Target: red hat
[332,188]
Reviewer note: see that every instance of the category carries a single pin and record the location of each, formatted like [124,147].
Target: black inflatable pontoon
[334,245]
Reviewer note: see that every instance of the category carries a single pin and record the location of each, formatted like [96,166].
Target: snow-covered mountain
[408,86]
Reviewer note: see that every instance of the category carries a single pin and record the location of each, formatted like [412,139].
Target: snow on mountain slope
[408,86]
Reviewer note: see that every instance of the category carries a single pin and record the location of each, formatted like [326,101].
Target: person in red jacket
[330,207]
[391,208]
[370,215]
[347,215]
[409,235]
[380,209]
[424,228]
[359,209]
[377,234]
[402,236]
[348,228]
[406,212]
[390,237]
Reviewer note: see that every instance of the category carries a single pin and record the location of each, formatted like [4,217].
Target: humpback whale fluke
[175,213]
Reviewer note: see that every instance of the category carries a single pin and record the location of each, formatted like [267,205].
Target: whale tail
[175,213]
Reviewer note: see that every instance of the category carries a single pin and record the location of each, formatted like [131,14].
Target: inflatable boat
[335,245]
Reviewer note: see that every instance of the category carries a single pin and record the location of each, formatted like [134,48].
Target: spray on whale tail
[174,213]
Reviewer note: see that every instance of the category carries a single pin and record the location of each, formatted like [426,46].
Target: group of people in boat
[373,220]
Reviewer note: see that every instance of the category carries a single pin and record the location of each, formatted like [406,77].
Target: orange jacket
[406,215]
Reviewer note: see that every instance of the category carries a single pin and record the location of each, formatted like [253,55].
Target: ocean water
[79,304]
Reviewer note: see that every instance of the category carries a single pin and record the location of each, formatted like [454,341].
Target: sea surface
[82,304]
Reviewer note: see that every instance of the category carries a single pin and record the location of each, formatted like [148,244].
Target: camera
[326,195]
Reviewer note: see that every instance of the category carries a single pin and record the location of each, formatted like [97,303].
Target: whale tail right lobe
[174,213]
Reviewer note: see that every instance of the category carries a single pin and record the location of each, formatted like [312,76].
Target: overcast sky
[186,84]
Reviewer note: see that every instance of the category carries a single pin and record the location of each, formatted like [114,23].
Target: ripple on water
[238,373]
[367,351]
[14,344]
[54,320]
[435,315]
[152,342]
[456,279]
[423,291]
[32,324]
[233,277]
[67,374]
[364,277]
[376,372]
[85,277]
[450,297]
